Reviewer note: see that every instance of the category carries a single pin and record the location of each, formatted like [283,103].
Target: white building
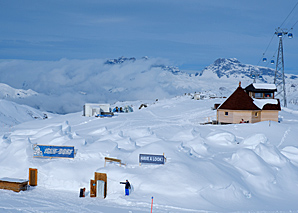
[91,110]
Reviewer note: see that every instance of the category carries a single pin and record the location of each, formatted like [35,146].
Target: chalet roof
[261,88]
[240,100]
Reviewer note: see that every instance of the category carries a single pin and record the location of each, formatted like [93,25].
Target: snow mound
[221,138]
[253,140]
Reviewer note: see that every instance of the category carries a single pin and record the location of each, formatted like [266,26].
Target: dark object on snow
[142,105]
[82,192]
[116,109]
[106,114]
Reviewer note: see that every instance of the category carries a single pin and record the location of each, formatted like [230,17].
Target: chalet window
[256,114]
[258,95]
[268,95]
[226,113]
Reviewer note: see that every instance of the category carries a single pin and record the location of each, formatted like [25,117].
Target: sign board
[155,159]
[51,151]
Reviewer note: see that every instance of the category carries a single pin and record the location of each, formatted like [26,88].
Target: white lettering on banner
[147,158]
[65,151]
[51,151]
[157,159]
[60,151]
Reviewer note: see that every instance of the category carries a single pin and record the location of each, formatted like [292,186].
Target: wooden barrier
[107,159]
[32,177]
[13,184]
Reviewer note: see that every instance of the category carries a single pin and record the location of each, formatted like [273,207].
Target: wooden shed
[14,184]
[243,105]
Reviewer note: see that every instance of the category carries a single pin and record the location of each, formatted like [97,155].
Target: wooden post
[92,188]
[32,177]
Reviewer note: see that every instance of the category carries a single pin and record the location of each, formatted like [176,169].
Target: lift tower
[279,77]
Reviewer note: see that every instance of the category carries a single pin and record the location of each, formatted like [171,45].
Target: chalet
[253,104]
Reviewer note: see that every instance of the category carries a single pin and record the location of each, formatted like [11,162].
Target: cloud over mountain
[64,86]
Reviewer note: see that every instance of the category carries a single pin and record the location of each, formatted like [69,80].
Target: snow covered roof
[15,180]
[262,102]
[261,88]
[264,86]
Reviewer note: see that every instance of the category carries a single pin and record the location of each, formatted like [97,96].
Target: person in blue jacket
[127,187]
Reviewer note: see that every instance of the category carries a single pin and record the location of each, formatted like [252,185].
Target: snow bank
[214,168]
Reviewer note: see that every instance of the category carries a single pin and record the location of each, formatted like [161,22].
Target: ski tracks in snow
[284,137]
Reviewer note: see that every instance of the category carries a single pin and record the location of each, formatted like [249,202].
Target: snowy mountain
[208,168]
[120,60]
[65,86]
[12,114]
[7,92]
[234,69]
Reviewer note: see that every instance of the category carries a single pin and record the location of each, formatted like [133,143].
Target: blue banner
[155,159]
[50,151]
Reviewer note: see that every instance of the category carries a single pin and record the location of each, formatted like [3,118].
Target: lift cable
[289,15]
[294,25]
[266,49]
[274,33]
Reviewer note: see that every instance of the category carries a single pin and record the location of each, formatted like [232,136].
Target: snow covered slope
[12,114]
[229,168]
[7,92]
[65,86]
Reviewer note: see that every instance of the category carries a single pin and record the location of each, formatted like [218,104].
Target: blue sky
[190,33]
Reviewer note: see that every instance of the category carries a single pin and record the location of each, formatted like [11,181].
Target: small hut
[91,110]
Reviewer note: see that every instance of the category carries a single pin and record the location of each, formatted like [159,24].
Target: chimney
[239,83]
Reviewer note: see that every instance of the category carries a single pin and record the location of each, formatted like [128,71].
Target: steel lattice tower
[279,77]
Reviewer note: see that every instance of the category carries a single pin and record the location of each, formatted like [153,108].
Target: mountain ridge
[66,85]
